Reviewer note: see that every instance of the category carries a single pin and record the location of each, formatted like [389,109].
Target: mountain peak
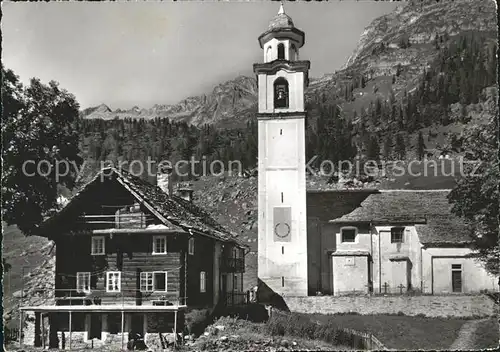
[103,108]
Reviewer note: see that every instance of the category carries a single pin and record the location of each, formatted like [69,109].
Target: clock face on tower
[282,229]
[282,224]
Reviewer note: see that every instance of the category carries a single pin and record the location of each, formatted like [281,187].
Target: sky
[144,53]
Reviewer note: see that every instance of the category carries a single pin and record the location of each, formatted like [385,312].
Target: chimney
[163,178]
[186,194]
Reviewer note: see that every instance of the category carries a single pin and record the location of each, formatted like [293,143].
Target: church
[350,241]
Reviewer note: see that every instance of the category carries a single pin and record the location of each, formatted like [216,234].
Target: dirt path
[465,339]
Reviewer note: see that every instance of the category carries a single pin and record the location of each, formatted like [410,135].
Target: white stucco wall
[389,271]
[271,49]
[295,91]
[437,271]
[426,274]
[281,170]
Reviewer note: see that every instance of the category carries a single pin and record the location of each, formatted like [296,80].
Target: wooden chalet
[132,257]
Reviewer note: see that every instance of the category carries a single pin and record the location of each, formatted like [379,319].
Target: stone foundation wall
[29,329]
[432,306]
[78,339]
[115,340]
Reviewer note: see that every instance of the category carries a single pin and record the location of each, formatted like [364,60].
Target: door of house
[137,324]
[456,277]
[95,326]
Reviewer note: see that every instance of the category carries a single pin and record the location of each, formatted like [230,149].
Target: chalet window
[348,235]
[235,283]
[159,244]
[146,282]
[113,281]
[397,234]
[203,281]
[191,246]
[281,51]
[281,93]
[160,281]
[98,243]
[153,281]
[83,282]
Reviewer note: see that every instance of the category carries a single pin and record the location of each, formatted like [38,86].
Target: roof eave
[290,33]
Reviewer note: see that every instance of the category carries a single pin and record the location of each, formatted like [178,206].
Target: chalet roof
[430,210]
[172,210]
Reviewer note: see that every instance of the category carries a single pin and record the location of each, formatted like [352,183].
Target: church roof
[429,211]
[281,20]
[282,25]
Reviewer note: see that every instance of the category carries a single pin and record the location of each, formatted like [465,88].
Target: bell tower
[282,222]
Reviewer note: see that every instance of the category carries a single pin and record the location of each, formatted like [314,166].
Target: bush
[197,320]
[253,312]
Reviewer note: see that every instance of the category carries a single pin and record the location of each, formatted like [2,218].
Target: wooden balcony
[232,265]
[235,298]
[117,221]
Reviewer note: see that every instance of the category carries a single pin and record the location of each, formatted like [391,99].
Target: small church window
[281,93]
[397,235]
[348,235]
[281,51]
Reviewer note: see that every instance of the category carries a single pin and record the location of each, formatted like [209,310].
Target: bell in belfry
[281,94]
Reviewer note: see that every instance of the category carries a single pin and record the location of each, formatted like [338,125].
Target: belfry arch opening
[293,53]
[281,51]
[281,93]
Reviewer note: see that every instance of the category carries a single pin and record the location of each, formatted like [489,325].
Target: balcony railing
[236,298]
[125,297]
[232,265]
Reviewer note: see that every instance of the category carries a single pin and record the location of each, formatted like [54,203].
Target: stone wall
[432,306]
[78,340]
[114,341]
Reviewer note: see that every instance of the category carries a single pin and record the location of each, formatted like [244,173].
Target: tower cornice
[277,115]
[276,65]
[290,33]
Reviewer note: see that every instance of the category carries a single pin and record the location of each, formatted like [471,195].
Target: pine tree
[373,149]
[420,146]
[400,148]
[387,147]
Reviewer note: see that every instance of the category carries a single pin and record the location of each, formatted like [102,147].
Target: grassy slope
[487,334]
[248,336]
[402,332]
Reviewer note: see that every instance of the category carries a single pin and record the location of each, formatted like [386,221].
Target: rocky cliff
[401,42]
[230,104]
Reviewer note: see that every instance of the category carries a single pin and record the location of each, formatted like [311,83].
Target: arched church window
[280,93]
[281,51]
